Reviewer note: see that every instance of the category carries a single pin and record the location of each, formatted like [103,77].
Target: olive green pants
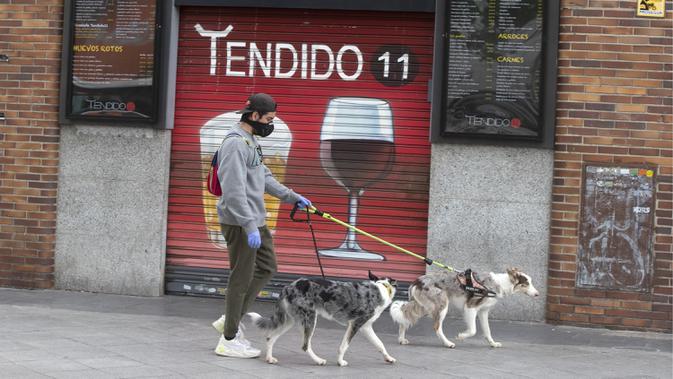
[250,268]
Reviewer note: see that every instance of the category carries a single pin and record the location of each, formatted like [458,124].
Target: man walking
[244,179]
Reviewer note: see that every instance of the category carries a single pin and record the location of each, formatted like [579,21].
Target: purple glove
[303,202]
[254,239]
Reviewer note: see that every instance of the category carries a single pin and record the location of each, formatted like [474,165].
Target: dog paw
[495,344]
[343,363]
[390,359]
[271,360]
[450,345]
[321,362]
[461,336]
[403,341]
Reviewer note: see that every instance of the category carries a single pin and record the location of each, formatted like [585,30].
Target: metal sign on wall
[113,62]
[615,250]
[495,68]
[651,8]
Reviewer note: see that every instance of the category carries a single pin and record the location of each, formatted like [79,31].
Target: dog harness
[469,282]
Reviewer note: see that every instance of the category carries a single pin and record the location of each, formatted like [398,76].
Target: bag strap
[214,160]
[239,136]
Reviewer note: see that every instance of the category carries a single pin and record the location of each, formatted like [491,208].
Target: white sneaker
[219,326]
[235,348]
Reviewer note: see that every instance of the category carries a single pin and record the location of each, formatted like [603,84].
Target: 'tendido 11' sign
[392,65]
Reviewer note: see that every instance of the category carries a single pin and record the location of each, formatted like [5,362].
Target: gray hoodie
[244,178]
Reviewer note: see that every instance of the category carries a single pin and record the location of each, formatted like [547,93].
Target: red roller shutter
[352,89]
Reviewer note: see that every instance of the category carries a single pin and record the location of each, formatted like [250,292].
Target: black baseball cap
[259,102]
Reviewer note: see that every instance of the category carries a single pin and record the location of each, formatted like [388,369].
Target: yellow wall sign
[651,8]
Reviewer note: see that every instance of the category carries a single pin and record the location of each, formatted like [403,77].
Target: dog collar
[388,287]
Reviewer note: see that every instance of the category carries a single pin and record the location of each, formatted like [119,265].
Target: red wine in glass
[357,164]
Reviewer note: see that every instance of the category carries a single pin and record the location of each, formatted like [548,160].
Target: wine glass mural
[356,150]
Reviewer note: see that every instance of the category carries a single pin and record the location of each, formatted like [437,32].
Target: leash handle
[294,210]
[310,209]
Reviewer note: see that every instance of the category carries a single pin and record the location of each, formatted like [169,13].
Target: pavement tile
[13,345]
[276,372]
[49,365]
[236,364]
[60,344]
[147,354]
[194,345]
[137,371]
[233,367]
[108,362]
[30,355]
[81,374]
[89,352]
[12,371]
[193,368]
[105,340]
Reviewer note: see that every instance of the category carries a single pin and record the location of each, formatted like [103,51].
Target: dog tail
[397,312]
[277,319]
[406,313]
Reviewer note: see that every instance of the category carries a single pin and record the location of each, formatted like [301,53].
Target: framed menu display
[113,60]
[494,76]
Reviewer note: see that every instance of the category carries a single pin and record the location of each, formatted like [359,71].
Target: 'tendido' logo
[497,122]
[111,105]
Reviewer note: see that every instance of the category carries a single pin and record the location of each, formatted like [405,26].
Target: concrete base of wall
[112,206]
[490,210]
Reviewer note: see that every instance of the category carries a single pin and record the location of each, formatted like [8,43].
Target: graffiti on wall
[616,230]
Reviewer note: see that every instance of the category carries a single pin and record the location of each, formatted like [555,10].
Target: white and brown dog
[431,294]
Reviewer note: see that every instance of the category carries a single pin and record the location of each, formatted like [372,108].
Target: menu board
[113,62]
[493,75]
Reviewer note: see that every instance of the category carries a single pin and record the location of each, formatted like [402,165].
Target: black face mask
[260,128]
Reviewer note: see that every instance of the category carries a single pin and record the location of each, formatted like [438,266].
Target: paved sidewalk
[62,334]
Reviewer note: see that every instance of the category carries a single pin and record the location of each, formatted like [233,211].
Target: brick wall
[30,34]
[614,107]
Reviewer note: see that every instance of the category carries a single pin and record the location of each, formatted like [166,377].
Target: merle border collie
[431,294]
[355,305]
